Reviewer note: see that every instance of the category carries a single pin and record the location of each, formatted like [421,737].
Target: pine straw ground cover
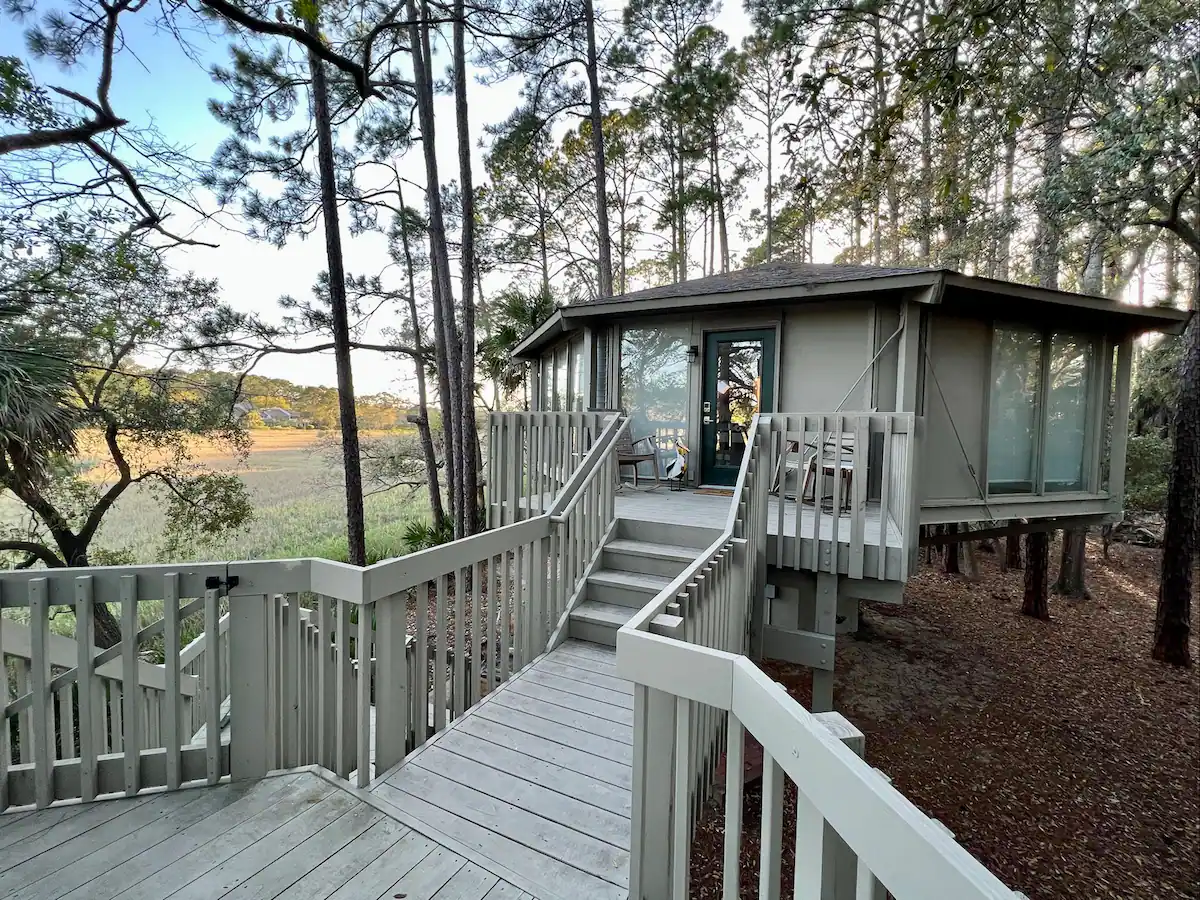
[1058,753]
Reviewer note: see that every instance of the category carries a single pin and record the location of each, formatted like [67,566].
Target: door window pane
[1066,412]
[653,388]
[546,379]
[1014,411]
[739,394]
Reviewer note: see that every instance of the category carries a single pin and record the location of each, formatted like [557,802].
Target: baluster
[171,667]
[421,661]
[490,622]
[734,783]
[681,831]
[477,593]
[772,829]
[811,872]
[885,490]
[213,682]
[505,607]
[779,450]
[363,646]
[326,702]
[42,734]
[129,686]
[439,657]
[291,682]
[459,667]
[391,685]
[343,677]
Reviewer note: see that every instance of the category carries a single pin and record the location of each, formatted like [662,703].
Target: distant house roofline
[789,281]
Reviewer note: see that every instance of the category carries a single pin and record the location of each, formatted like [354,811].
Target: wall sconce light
[693,353]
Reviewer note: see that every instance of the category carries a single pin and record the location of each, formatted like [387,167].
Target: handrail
[641,619]
[590,468]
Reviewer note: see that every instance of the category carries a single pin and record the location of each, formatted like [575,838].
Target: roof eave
[1149,318]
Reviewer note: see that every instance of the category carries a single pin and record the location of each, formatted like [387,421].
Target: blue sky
[154,81]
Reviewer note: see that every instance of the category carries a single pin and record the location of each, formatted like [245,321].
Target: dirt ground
[1058,753]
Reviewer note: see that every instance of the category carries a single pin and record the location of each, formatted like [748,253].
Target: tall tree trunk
[424,432]
[1008,210]
[1037,570]
[604,280]
[926,189]
[681,211]
[1181,537]
[347,415]
[951,562]
[771,187]
[1048,231]
[446,343]
[1012,548]
[722,227]
[1093,262]
[1072,564]
[469,457]
[543,249]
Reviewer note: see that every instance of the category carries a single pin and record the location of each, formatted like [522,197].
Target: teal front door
[739,381]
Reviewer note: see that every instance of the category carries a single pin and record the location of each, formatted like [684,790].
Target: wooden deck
[535,783]
[295,835]
[693,507]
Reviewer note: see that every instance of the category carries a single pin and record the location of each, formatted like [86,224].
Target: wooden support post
[653,755]
[248,751]
[840,863]
[825,622]
[391,682]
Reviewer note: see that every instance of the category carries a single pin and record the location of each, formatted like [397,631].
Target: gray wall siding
[960,350]
[824,349]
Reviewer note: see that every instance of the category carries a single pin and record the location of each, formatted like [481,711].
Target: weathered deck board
[288,836]
[535,779]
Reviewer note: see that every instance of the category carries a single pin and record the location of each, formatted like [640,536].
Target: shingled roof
[776,274]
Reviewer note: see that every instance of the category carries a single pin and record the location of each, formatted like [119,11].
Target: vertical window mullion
[1043,393]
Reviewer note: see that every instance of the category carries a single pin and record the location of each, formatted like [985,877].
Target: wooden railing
[861,521]
[531,457]
[585,516]
[697,695]
[298,662]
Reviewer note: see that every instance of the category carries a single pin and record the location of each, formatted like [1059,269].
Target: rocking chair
[627,455]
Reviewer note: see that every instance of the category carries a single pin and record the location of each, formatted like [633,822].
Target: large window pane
[1067,412]
[546,401]
[653,388]
[1014,411]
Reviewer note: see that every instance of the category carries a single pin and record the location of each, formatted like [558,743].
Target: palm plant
[36,418]
[513,314]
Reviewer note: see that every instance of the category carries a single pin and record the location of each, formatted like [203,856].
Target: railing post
[840,864]
[391,684]
[653,755]
[248,750]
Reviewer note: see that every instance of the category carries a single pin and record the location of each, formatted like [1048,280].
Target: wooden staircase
[640,560]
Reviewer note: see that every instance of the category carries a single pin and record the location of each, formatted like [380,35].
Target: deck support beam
[825,623]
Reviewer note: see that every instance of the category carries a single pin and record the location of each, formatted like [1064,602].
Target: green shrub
[1146,467]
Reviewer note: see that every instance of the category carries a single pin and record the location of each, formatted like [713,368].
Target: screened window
[1039,409]
[653,387]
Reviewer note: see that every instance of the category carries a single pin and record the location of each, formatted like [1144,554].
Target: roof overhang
[1108,314]
[569,318]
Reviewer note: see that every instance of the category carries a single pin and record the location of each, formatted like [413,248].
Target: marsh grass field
[298,507]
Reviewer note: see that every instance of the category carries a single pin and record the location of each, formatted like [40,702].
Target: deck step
[672,533]
[599,622]
[624,588]
[647,557]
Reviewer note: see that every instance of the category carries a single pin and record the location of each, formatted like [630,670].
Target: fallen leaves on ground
[1058,753]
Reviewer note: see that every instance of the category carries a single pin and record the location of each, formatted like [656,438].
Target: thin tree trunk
[604,276]
[1181,537]
[1072,563]
[926,190]
[951,562]
[1008,215]
[424,432]
[722,226]
[770,187]
[1037,570]
[1012,548]
[681,211]
[446,332]
[347,414]
[469,457]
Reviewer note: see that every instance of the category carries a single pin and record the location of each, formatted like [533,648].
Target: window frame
[1091,478]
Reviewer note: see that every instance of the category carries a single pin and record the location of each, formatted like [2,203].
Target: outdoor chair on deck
[830,468]
[628,455]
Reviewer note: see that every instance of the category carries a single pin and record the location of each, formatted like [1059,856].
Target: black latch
[212,582]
